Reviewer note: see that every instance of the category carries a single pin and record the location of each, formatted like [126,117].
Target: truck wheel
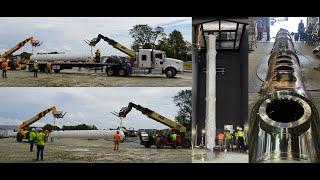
[122,72]
[174,145]
[148,145]
[19,137]
[170,73]
[56,71]
[159,143]
[110,72]
[186,143]
[31,68]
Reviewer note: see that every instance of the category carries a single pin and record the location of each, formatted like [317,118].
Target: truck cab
[156,59]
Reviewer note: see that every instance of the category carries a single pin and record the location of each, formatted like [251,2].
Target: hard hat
[36,60]
[240,129]
[32,129]
[39,129]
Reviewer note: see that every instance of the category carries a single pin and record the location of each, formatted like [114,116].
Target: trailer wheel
[56,71]
[31,68]
[122,72]
[159,143]
[148,145]
[174,145]
[170,73]
[186,143]
[19,137]
[110,72]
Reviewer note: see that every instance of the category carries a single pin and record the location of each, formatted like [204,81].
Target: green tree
[25,55]
[175,46]
[50,127]
[144,36]
[184,101]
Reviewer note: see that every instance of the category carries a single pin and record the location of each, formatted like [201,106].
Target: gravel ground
[206,156]
[90,151]
[85,78]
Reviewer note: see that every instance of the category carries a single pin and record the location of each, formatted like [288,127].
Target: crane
[23,133]
[113,43]
[34,43]
[160,140]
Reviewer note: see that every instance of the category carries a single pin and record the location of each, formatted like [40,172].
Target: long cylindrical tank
[61,57]
[86,134]
[284,124]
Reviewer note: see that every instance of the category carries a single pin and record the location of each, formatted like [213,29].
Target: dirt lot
[90,151]
[85,78]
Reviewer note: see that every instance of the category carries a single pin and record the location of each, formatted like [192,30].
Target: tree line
[146,37]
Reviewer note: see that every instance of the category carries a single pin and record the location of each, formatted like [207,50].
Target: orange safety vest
[4,65]
[117,137]
[221,137]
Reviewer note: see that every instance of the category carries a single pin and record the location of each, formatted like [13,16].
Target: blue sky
[66,34]
[87,105]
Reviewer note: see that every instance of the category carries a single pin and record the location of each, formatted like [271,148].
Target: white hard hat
[240,129]
[32,129]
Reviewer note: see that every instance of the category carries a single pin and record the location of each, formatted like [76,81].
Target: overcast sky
[66,34]
[88,105]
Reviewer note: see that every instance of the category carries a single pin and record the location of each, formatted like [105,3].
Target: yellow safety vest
[236,134]
[174,137]
[32,136]
[227,136]
[240,134]
[40,139]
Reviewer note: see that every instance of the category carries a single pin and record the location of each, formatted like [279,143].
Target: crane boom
[153,115]
[38,116]
[114,44]
[20,45]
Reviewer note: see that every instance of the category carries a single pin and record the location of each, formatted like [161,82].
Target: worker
[220,138]
[35,68]
[32,137]
[301,30]
[241,139]
[40,138]
[173,136]
[129,68]
[4,67]
[49,66]
[98,55]
[46,133]
[228,138]
[116,139]
[235,137]
[260,30]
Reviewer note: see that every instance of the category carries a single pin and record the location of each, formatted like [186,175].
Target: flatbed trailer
[112,69]
[58,66]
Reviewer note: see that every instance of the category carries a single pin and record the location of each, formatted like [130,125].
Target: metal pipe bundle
[61,57]
[87,134]
[284,124]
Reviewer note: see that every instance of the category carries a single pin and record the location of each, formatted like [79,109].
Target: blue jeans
[31,145]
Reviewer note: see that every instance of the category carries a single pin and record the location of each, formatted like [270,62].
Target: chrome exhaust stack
[284,124]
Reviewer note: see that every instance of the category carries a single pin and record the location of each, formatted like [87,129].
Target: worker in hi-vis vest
[241,139]
[116,139]
[35,68]
[40,143]
[32,138]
